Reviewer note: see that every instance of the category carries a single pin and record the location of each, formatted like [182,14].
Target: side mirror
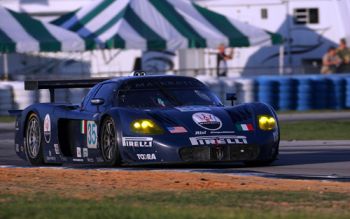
[231,97]
[97,101]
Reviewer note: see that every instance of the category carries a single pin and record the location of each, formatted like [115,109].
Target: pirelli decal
[138,142]
[218,140]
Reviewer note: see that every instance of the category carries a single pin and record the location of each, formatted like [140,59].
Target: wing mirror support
[231,97]
[97,102]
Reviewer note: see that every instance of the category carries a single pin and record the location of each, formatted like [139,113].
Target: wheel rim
[108,140]
[33,138]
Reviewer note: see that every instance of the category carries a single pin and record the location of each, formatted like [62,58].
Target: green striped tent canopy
[161,24]
[21,33]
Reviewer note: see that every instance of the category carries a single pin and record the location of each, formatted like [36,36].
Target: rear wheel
[33,140]
[108,142]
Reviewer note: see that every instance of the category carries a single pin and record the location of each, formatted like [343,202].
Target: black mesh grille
[240,114]
[219,153]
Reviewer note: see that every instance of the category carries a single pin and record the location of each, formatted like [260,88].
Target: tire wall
[282,92]
[305,92]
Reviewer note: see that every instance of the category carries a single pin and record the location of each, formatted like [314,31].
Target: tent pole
[281,60]
[6,69]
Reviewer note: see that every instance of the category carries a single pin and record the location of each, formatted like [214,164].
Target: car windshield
[161,97]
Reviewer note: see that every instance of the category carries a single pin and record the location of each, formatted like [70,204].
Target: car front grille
[219,153]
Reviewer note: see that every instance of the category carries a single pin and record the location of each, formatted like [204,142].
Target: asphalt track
[320,160]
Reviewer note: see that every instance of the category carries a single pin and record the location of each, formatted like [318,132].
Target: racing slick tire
[33,141]
[266,162]
[109,143]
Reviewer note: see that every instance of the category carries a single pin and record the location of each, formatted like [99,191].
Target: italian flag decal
[244,127]
[83,127]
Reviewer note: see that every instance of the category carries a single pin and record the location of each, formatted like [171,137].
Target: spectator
[221,60]
[330,61]
[344,54]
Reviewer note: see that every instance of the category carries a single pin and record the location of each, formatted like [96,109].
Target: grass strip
[315,130]
[190,204]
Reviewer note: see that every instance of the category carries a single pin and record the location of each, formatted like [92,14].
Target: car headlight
[267,123]
[145,126]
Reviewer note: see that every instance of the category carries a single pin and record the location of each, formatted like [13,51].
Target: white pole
[6,69]
[281,60]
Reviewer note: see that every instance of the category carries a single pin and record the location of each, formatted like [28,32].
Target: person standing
[330,61]
[344,54]
[221,60]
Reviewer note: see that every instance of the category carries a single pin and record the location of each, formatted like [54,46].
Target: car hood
[197,120]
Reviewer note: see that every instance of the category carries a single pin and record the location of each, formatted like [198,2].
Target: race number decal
[91,134]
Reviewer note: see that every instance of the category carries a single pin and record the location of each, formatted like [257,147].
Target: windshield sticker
[207,121]
[192,108]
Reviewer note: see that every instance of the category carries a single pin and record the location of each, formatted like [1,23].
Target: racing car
[133,120]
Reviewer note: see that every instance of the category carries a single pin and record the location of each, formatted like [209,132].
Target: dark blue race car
[144,120]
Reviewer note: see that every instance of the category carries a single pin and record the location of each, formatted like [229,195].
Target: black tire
[267,162]
[109,143]
[33,141]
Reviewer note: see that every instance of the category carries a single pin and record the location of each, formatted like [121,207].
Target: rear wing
[57,84]
[51,85]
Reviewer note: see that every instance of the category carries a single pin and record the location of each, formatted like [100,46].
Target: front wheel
[267,162]
[108,142]
[33,141]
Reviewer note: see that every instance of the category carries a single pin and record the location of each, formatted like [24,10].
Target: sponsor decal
[47,128]
[138,142]
[78,152]
[146,156]
[91,134]
[192,108]
[49,158]
[91,160]
[57,149]
[219,151]
[218,140]
[50,154]
[200,133]
[207,121]
[83,127]
[99,159]
[245,127]
[85,152]
[214,132]
[78,160]
[222,132]
[176,129]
